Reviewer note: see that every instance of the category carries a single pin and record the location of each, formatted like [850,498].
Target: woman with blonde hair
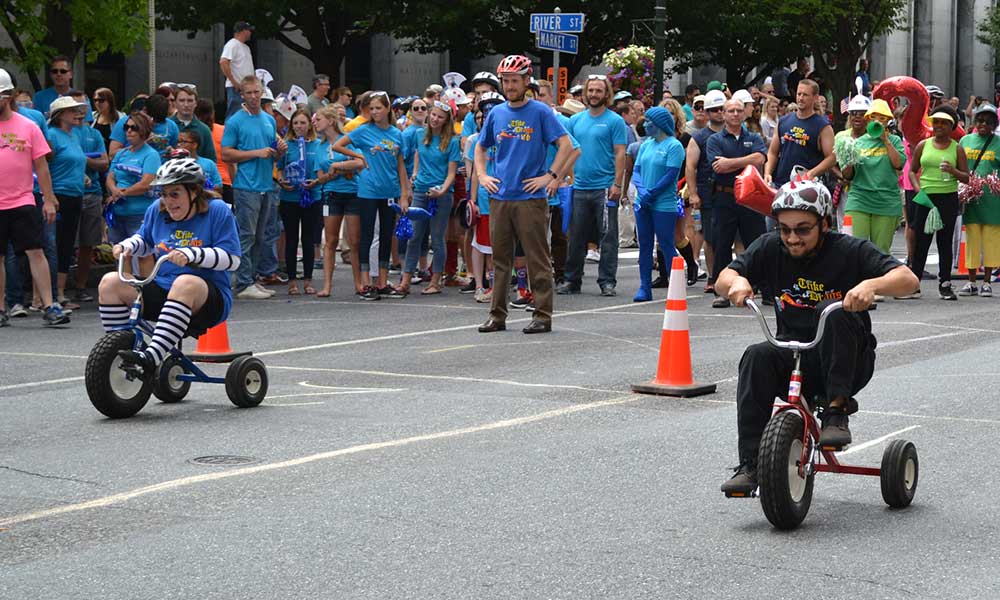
[300,190]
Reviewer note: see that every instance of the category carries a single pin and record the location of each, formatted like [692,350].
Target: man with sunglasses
[698,169]
[804,266]
[185,101]
[61,74]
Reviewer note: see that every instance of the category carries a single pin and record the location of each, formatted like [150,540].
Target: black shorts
[22,227]
[153,297]
[338,203]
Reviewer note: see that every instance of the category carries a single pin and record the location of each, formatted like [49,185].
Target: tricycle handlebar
[132,280]
[792,344]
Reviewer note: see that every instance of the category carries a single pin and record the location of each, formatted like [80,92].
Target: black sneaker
[521,302]
[370,294]
[392,292]
[835,432]
[469,288]
[743,483]
[568,288]
[660,282]
[4,319]
[530,307]
[945,291]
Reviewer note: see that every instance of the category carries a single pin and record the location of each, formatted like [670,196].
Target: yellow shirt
[354,123]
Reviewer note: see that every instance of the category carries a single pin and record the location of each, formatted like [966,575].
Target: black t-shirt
[798,285]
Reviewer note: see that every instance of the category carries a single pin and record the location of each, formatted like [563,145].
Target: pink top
[904,178]
[21,142]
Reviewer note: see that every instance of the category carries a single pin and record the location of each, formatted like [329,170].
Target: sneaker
[721,302]
[470,288]
[522,301]
[66,311]
[531,307]
[914,296]
[55,315]
[484,295]
[743,483]
[660,282]
[986,291]
[17,311]
[396,268]
[370,294]
[608,291]
[944,290]
[4,319]
[416,279]
[390,291]
[969,289]
[267,291]
[835,432]
[568,288]
[593,256]
[82,296]
[252,292]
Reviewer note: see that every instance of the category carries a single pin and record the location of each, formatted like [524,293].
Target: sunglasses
[59,71]
[131,127]
[800,231]
[419,108]
[597,77]
[99,100]
[699,107]
[374,94]
[442,106]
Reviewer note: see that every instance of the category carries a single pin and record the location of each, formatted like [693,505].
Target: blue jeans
[438,226]
[268,256]
[253,212]
[233,101]
[647,223]
[592,220]
[16,267]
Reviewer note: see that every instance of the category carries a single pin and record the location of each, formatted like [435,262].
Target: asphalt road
[401,454]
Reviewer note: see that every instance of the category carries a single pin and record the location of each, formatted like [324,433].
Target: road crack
[44,476]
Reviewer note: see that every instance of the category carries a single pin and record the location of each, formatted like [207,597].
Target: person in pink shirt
[22,151]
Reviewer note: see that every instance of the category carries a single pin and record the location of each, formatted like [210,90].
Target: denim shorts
[339,203]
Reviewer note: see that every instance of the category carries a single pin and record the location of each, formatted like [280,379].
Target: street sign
[558,42]
[560,79]
[558,22]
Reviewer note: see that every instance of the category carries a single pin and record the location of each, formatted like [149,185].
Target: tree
[989,28]
[40,30]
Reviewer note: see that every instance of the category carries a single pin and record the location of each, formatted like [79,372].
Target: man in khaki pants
[521,130]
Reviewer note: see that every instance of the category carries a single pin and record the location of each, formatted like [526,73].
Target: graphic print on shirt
[516,129]
[797,135]
[806,293]
[10,140]
[973,154]
[158,142]
[385,145]
[180,238]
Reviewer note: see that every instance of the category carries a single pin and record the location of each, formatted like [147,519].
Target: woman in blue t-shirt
[383,177]
[68,166]
[434,167]
[300,208]
[190,140]
[340,196]
[132,170]
[191,291]
[657,168]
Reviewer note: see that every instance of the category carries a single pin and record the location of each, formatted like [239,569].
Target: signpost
[553,31]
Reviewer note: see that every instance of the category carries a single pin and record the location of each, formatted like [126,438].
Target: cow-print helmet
[805,195]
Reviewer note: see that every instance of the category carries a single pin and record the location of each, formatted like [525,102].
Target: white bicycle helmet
[486,77]
[490,98]
[934,91]
[179,171]
[807,195]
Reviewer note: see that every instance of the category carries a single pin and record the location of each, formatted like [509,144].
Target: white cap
[743,96]
[715,99]
[6,84]
[859,102]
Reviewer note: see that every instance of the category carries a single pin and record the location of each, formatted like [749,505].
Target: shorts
[910,207]
[708,224]
[91,231]
[21,227]
[481,235]
[982,245]
[211,314]
[339,203]
[125,227]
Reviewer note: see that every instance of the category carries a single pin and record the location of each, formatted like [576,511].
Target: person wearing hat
[699,119]
[236,63]
[747,99]
[938,165]
[699,170]
[20,218]
[873,195]
[576,92]
[981,217]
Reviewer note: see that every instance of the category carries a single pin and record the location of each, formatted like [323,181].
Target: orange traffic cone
[213,346]
[848,227]
[962,269]
[673,370]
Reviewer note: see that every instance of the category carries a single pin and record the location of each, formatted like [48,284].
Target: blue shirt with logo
[92,142]
[129,166]
[412,136]
[432,167]
[521,136]
[654,159]
[213,229]
[246,132]
[164,135]
[381,147]
[726,145]
[343,184]
[598,136]
[799,144]
[305,150]
[68,165]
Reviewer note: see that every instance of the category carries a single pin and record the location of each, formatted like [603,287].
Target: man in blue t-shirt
[61,74]
[804,139]
[251,141]
[598,173]
[521,131]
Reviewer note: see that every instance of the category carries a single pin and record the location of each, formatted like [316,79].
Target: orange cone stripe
[677,304]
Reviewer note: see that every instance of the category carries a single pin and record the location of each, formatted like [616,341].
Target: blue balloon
[415,213]
[565,195]
[404,229]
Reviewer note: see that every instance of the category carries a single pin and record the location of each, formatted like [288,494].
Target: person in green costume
[982,216]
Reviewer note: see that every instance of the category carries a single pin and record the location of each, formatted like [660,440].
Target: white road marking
[32,384]
[40,355]
[876,441]
[295,462]
[921,339]
[282,404]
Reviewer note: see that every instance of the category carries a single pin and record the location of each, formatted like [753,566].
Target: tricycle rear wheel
[899,473]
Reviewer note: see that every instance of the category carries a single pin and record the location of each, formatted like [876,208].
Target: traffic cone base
[673,371]
[213,346]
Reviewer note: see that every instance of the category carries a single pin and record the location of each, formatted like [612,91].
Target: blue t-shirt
[412,136]
[550,155]
[213,229]
[521,136]
[598,136]
[252,132]
[35,116]
[799,144]
[212,175]
[469,124]
[433,165]
[654,159]
[43,100]
[343,184]
[163,135]
[381,147]
[483,195]
[68,165]
[91,141]
[305,151]
[129,166]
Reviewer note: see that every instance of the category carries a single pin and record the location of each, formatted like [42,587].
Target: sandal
[309,290]
[293,289]
[431,290]
[324,293]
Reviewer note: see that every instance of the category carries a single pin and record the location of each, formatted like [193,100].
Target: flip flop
[293,290]
[309,290]
[431,290]
[322,294]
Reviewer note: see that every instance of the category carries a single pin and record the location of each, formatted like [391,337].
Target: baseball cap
[576,89]
[697,99]
[6,84]
[715,99]
[242,26]
[715,85]
[743,96]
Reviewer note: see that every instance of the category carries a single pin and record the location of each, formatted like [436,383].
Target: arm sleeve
[228,50]
[136,245]
[118,132]
[668,180]
[214,176]
[640,188]
[230,135]
[749,263]
[552,129]
[486,135]
[224,253]
[874,263]
[39,144]
[455,150]
[150,163]
[619,135]
[213,259]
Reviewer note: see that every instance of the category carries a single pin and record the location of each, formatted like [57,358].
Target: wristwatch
[552,173]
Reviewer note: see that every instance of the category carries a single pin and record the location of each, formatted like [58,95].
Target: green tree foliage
[989,28]
[40,29]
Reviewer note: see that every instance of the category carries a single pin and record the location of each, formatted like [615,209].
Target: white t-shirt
[240,60]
